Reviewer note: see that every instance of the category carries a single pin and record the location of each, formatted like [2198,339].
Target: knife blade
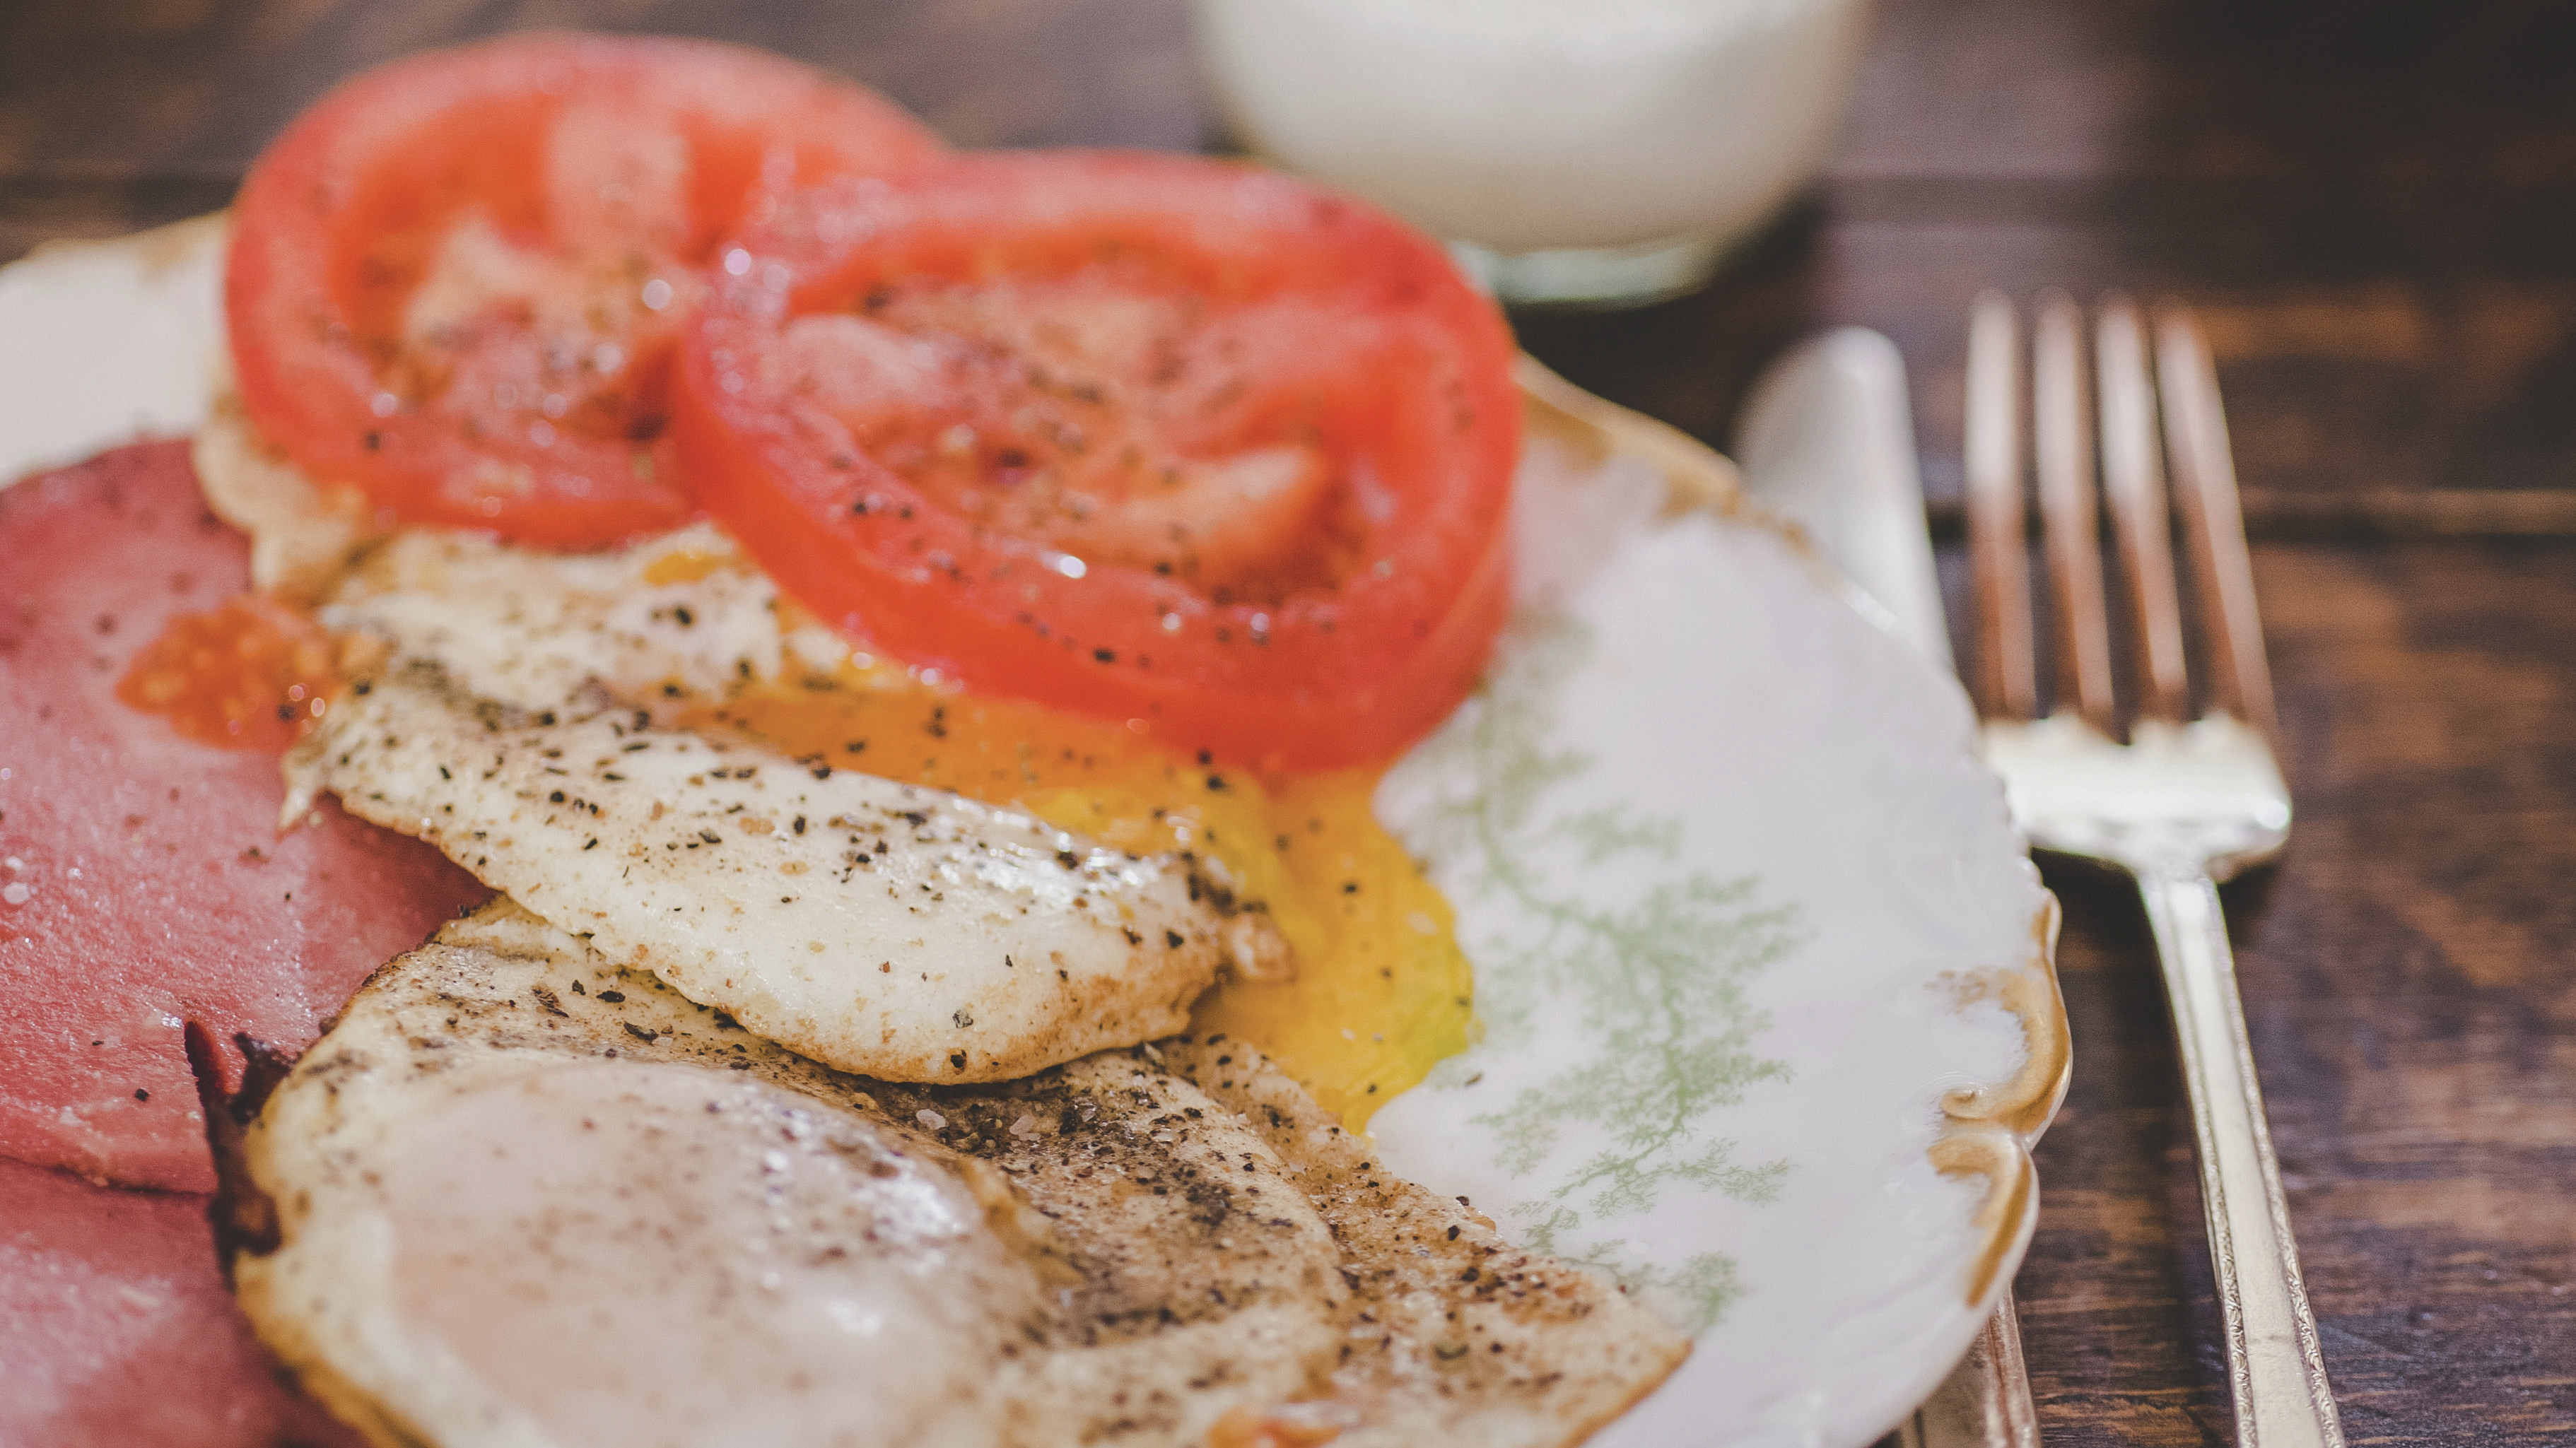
[1827,440]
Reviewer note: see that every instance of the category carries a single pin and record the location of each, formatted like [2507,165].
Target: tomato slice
[456,281]
[1174,441]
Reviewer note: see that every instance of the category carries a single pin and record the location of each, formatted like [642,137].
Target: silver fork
[2186,802]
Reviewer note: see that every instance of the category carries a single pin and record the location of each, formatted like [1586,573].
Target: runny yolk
[686,565]
[252,674]
[1381,991]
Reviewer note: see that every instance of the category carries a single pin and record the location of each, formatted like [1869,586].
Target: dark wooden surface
[2373,204]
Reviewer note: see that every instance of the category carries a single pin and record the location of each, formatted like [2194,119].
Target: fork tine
[2205,479]
[2065,447]
[2133,480]
[2007,685]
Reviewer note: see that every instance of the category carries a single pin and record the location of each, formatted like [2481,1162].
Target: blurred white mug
[1591,151]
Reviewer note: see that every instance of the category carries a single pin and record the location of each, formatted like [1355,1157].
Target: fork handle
[2275,1370]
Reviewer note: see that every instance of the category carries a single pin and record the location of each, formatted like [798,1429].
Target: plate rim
[1987,1131]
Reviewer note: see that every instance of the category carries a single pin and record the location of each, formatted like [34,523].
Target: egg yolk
[1380,992]
[252,674]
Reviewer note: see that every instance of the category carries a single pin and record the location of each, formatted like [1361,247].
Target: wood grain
[2372,203]
[2409,974]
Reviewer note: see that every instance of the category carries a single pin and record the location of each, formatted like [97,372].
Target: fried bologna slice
[115,1327]
[143,878]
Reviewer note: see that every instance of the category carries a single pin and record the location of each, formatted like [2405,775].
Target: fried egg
[875,926]
[522,1196]
[1354,980]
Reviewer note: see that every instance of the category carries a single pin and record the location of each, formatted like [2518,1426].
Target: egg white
[879,927]
[525,1197]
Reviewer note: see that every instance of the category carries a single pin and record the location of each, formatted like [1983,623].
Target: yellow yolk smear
[1381,991]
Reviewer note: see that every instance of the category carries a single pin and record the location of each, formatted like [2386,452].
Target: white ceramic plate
[1763,969]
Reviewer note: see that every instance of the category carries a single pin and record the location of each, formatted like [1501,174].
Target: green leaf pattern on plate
[1661,976]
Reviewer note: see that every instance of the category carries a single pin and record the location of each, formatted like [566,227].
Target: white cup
[1572,151]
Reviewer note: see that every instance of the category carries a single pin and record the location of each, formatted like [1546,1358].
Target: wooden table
[2374,205]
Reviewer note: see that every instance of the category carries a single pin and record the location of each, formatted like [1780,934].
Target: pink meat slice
[115,1327]
[142,877]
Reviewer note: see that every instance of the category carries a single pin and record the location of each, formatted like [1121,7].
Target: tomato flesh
[457,281]
[1168,440]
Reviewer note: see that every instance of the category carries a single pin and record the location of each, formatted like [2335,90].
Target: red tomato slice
[1169,440]
[457,280]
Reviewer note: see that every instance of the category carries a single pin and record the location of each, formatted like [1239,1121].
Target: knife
[1826,439]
